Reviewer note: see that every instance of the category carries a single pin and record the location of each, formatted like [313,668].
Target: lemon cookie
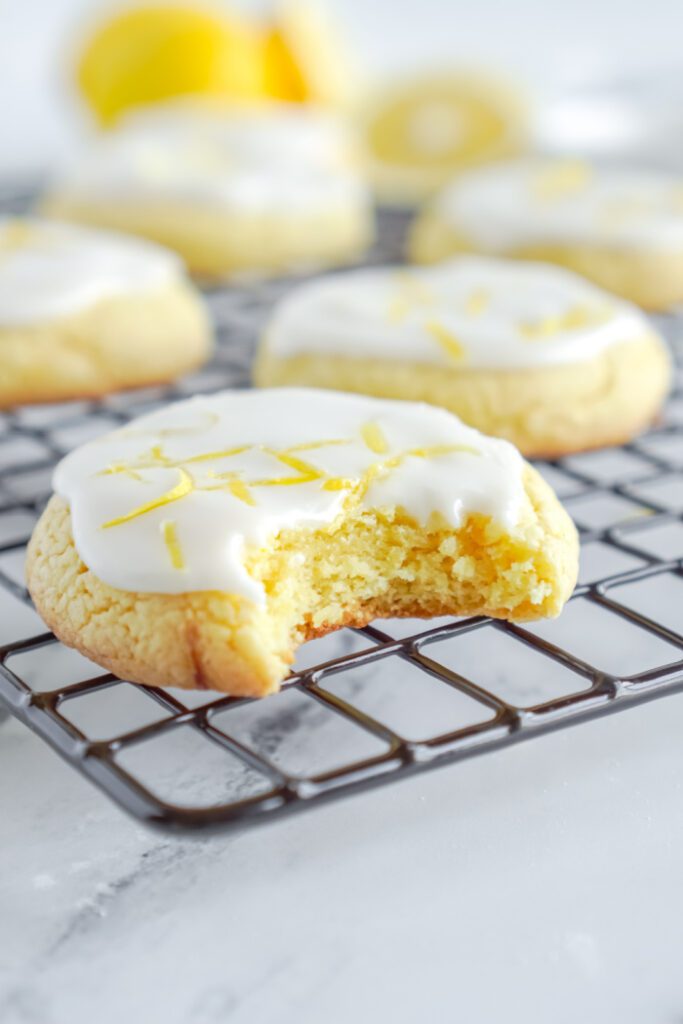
[419,132]
[621,228]
[84,312]
[201,544]
[268,189]
[525,351]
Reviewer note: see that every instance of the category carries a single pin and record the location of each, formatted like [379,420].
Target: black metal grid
[364,706]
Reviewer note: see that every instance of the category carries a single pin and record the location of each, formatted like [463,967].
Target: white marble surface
[540,883]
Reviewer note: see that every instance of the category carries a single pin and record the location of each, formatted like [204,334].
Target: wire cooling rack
[366,706]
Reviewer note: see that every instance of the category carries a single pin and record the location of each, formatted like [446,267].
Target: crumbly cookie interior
[377,564]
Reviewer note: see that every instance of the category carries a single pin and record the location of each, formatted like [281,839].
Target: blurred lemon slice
[146,54]
[421,132]
[307,58]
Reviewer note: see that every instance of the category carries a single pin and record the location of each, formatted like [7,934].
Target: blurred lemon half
[307,57]
[421,132]
[146,54]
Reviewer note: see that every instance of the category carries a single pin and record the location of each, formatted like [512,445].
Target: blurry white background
[539,884]
[554,47]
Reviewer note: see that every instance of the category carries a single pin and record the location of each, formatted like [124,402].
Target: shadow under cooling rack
[362,707]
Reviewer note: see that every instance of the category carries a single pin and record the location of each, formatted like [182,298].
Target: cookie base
[124,342]
[544,411]
[368,565]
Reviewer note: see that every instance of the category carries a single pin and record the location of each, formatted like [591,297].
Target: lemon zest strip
[239,490]
[448,342]
[306,470]
[184,487]
[374,438]
[225,453]
[170,536]
[338,483]
[574,318]
[435,450]
[308,446]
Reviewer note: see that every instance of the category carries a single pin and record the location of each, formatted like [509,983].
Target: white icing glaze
[49,270]
[500,313]
[243,160]
[195,541]
[280,132]
[531,201]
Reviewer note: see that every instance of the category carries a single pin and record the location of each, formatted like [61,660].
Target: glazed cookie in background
[525,351]
[84,313]
[198,546]
[621,228]
[266,189]
[419,132]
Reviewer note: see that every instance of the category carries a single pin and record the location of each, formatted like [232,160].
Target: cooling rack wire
[363,707]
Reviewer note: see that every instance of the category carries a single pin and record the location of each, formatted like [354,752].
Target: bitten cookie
[526,351]
[622,229]
[265,190]
[201,544]
[84,312]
